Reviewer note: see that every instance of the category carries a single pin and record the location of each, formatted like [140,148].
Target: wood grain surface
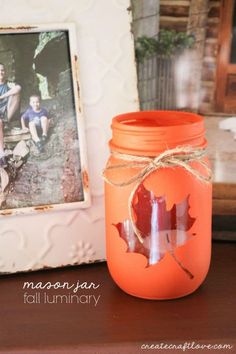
[119,323]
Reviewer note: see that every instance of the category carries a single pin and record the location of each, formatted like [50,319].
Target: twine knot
[181,156]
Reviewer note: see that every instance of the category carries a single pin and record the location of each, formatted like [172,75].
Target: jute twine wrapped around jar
[178,157]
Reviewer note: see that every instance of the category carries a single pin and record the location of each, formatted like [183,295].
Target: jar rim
[149,132]
[149,120]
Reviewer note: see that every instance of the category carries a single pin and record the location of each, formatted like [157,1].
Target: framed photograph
[43,158]
[189,64]
[53,226]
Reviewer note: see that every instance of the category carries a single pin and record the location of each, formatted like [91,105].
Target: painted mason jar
[158,199]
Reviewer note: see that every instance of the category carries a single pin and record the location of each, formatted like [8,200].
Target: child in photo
[9,106]
[37,119]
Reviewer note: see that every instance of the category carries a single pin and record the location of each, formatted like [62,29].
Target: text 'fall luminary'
[158,204]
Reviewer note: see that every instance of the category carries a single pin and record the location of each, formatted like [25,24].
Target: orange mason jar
[158,199]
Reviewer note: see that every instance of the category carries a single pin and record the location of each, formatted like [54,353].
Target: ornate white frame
[49,237]
[70,29]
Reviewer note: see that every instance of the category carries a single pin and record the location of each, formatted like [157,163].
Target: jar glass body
[172,209]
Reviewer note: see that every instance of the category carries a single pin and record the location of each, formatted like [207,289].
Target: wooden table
[119,323]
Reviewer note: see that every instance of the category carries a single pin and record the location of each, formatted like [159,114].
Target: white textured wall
[146,17]
[146,23]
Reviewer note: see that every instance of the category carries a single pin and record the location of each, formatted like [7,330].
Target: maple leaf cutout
[162,230]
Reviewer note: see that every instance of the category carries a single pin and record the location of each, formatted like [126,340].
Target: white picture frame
[52,238]
[68,33]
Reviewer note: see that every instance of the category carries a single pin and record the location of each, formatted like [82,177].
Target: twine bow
[177,157]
